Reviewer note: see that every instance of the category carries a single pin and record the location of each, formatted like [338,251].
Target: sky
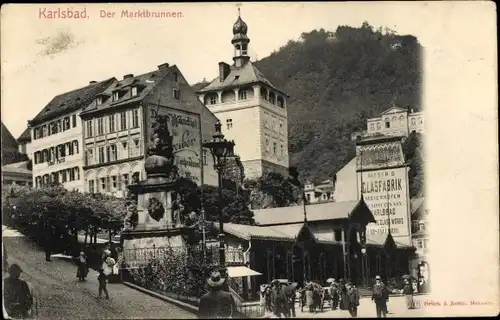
[44,57]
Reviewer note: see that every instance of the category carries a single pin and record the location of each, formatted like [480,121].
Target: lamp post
[364,267]
[221,149]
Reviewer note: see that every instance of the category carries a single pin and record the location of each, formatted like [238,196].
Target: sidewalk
[62,296]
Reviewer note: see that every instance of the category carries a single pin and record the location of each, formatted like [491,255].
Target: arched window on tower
[281,102]
[237,51]
[244,49]
[272,97]
[263,93]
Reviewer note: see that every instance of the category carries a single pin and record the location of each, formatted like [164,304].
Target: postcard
[253,160]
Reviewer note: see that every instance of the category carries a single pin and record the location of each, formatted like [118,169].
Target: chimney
[224,69]
[127,76]
[163,66]
[92,82]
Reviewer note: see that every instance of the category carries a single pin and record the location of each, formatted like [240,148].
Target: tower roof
[240,29]
[237,77]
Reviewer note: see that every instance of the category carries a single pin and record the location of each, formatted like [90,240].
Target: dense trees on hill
[336,80]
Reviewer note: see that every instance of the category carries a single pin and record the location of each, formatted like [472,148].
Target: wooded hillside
[336,80]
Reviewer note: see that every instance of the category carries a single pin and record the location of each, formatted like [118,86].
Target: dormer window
[176,77]
[133,90]
[116,95]
[98,100]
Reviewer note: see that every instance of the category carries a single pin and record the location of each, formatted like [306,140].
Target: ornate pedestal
[159,222]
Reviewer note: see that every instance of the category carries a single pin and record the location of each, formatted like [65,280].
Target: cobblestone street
[60,296]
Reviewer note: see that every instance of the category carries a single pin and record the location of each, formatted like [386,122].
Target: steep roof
[25,136]
[146,82]
[71,101]
[315,212]
[239,76]
[8,140]
[18,167]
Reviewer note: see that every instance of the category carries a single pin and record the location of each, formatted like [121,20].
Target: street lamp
[364,267]
[221,150]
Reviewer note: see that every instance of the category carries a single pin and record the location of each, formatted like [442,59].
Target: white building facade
[251,109]
[56,139]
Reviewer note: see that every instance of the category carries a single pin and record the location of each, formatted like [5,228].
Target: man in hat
[279,300]
[18,299]
[216,303]
[380,297]
[352,299]
[334,294]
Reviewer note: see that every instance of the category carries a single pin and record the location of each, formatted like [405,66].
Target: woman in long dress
[83,269]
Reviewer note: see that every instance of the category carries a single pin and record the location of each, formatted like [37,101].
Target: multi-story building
[118,128]
[56,137]
[394,122]
[251,109]
[321,192]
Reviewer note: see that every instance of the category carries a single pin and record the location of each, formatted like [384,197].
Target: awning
[241,271]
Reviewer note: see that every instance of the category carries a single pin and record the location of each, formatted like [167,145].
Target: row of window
[244,94]
[271,97]
[54,127]
[275,147]
[110,184]
[60,176]
[274,124]
[54,154]
[108,124]
[402,122]
[113,152]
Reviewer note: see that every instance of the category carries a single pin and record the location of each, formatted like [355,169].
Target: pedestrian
[408,292]
[352,299]
[334,294]
[290,293]
[279,300]
[18,297]
[216,303]
[310,298]
[380,296]
[102,278]
[343,295]
[82,269]
[269,304]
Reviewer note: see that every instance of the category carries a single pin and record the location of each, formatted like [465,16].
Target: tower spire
[240,41]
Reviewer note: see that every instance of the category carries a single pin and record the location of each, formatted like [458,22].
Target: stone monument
[155,202]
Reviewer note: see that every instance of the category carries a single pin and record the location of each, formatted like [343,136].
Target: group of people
[279,298]
[344,295]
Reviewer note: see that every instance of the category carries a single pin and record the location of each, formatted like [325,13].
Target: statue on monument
[161,152]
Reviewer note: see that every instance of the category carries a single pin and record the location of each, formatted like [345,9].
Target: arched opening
[387,123]
[263,93]
[281,102]
[245,93]
[228,96]
[272,97]
[211,98]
